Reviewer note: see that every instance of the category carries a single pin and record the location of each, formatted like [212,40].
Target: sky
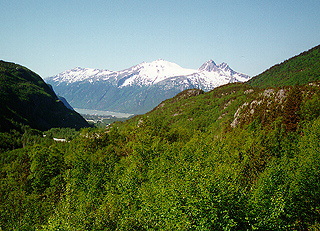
[51,36]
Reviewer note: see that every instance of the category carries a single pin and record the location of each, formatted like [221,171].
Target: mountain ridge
[139,88]
[156,71]
[304,68]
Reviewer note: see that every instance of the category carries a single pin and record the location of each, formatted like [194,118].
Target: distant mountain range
[140,88]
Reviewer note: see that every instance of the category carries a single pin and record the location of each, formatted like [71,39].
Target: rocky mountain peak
[138,88]
[210,65]
[223,66]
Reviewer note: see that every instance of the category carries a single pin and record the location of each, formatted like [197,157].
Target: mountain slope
[140,88]
[234,158]
[27,99]
[301,69]
[234,106]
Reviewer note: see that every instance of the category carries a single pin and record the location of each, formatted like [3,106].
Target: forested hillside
[301,69]
[25,99]
[235,158]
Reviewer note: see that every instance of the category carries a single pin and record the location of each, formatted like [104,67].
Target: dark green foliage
[299,70]
[9,141]
[26,99]
[30,185]
[62,133]
[292,108]
[179,167]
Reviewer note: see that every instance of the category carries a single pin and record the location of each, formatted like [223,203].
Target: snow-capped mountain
[138,88]
[145,74]
[79,74]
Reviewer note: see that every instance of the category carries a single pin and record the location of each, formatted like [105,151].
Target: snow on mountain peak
[156,71]
[145,74]
[140,87]
[79,74]
[210,65]
[223,65]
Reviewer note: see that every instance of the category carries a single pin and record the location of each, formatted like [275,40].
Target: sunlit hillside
[244,156]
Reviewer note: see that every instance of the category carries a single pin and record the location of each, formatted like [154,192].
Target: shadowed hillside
[25,99]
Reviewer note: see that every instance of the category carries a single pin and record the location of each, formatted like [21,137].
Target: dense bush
[235,158]
[299,70]
[179,167]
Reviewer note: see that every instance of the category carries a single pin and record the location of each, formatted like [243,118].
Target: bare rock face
[272,103]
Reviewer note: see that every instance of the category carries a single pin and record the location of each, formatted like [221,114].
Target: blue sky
[250,35]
